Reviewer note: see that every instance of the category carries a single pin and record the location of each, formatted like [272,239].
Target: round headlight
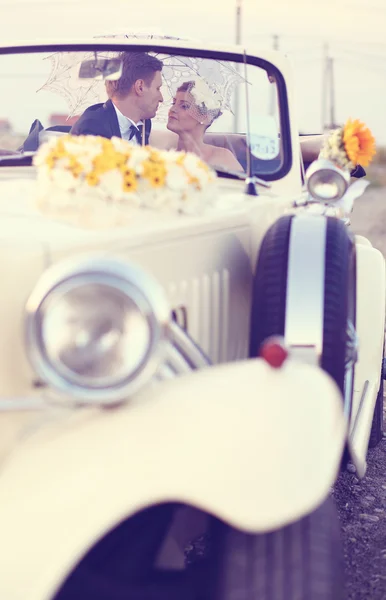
[96,328]
[326,182]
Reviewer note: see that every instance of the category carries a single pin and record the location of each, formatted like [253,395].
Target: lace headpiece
[207,101]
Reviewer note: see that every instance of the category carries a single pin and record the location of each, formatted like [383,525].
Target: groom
[133,101]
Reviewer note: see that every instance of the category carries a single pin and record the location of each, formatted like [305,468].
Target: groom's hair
[135,65]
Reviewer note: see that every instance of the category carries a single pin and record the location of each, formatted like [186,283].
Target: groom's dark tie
[137,132]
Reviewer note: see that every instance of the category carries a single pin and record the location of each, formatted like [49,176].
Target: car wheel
[121,564]
[301,561]
[335,256]
[376,433]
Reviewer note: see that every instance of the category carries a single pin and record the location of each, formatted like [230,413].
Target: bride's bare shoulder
[165,140]
[223,157]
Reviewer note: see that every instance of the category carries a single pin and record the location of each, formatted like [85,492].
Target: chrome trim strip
[22,404]
[361,402]
[305,286]
[165,372]
[187,347]
[176,361]
[348,391]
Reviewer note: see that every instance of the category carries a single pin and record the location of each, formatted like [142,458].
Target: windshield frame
[183,50]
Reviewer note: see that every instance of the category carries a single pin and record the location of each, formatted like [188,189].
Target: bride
[194,109]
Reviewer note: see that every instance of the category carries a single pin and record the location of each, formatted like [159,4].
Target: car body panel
[199,440]
[370,326]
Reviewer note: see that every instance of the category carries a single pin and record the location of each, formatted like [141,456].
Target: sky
[353,29]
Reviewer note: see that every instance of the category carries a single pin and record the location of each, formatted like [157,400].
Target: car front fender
[370,326]
[256,446]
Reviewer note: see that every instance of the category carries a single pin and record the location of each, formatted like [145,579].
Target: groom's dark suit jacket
[101,119]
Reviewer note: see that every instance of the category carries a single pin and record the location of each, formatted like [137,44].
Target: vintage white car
[185,349]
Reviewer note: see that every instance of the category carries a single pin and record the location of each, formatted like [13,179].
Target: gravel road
[362,503]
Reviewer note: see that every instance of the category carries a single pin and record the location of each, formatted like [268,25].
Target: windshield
[225,112]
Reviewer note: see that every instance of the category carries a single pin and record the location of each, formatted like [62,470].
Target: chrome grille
[182,354]
[202,307]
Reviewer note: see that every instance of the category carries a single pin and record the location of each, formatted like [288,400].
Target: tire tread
[261,567]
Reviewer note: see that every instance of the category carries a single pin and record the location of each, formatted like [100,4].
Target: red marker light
[274,352]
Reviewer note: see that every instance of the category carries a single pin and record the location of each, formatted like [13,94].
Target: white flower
[192,162]
[85,150]
[121,145]
[62,179]
[334,150]
[171,156]
[137,158]
[44,151]
[111,183]
[195,168]
[176,177]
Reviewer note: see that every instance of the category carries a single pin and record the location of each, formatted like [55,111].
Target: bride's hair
[203,112]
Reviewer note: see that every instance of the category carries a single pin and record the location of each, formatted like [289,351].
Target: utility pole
[272,100]
[328,91]
[238,42]
[332,124]
[324,86]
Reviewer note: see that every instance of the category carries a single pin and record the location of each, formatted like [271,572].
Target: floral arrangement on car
[97,182]
[349,146]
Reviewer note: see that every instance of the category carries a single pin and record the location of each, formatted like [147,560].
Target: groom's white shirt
[124,125]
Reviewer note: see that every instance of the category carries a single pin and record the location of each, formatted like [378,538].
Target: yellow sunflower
[60,150]
[154,172]
[92,179]
[156,160]
[53,157]
[120,160]
[157,177]
[194,182]
[129,181]
[107,161]
[50,161]
[127,172]
[75,166]
[359,143]
[148,169]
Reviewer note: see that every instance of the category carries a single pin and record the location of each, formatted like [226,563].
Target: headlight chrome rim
[115,274]
[325,168]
